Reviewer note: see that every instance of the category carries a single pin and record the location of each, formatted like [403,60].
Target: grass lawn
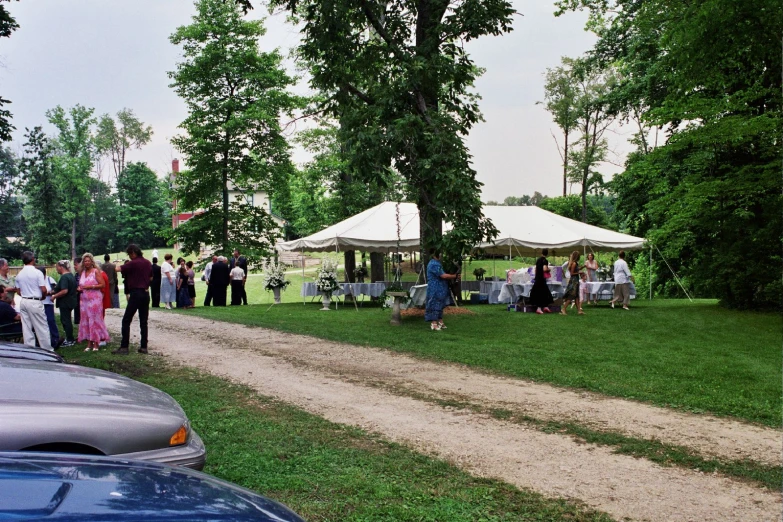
[692,356]
[325,471]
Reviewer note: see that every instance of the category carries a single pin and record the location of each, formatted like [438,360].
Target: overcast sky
[114,54]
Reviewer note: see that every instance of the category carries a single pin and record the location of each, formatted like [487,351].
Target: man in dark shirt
[218,281]
[10,322]
[155,284]
[241,262]
[137,273]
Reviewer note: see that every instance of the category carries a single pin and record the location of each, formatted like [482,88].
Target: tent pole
[651,254]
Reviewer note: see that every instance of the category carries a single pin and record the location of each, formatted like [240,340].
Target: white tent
[374,230]
[524,231]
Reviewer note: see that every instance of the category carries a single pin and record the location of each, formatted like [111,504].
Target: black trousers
[219,294]
[244,295]
[155,292]
[208,297]
[237,291]
[65,320]
[138,300]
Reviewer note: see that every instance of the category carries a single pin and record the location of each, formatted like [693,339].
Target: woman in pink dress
[91,327]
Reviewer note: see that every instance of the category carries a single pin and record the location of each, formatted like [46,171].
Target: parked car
[22,351]
[59,487]
[73,409]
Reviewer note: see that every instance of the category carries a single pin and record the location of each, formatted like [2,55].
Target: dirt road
[392,394]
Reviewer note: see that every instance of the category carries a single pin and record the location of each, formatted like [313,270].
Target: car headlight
[181,435]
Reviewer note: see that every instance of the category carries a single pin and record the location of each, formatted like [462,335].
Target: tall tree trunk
[565,164]
[376,267]
[73,239]
[350,265]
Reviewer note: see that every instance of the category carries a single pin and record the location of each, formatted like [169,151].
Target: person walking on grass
[622,282]
[66,299]
[437,291]
[540,296]
[138,273]
[572,290]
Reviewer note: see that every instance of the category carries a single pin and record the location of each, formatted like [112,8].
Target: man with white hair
[32,288]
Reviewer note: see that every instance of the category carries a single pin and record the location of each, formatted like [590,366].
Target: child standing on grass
[584,288]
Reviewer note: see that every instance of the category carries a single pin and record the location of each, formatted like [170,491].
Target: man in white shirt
[31,285]
[622,281]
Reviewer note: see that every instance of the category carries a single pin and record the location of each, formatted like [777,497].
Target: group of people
[219,274]
[577,290]
[84,295]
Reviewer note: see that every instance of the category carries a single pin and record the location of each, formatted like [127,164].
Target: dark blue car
[56,486]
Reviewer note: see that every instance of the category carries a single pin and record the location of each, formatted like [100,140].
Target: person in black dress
[540,296]
[155,284]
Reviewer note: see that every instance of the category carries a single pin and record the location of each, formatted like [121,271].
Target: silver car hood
[45,403]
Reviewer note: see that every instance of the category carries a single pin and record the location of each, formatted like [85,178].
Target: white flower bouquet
[326,277]
[274,276]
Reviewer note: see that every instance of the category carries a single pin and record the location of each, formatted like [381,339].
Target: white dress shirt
[29,282]
[621,272]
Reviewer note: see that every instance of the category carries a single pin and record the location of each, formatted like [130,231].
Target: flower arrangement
[274,276]
[479,273]
[326,277]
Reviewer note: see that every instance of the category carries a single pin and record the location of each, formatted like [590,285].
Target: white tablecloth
[509,293]
[418,295]
[492,290]
[604,290]
[371,289]
[310,290]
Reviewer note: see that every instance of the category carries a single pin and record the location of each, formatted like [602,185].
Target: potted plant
[274,278]
[479,273]
[326,281]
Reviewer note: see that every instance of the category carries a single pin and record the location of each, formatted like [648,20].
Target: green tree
[397,78]
[708,72]
[144,211]
[576,95]
[10,205]
[115,138]
[571,207]
[235,96]
[560,99]
[8,25]
[99,225]
[74,162]
[46,233]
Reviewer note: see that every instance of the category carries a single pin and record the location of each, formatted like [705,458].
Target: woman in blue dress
[437,291]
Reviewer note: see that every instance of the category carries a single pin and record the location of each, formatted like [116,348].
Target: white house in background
[257,198]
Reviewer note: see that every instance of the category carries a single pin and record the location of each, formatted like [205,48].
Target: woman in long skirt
[183,298]
[437,292]
[91,326]
[572,290]
[540,296]
[168,283]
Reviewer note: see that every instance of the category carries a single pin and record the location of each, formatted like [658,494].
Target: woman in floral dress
[438,295]
[91,326]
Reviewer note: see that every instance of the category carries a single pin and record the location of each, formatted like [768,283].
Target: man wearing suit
[207,276]
[241,262]
[155,283]
[218,281]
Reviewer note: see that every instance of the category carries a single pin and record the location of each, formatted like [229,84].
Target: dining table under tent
[523,231]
